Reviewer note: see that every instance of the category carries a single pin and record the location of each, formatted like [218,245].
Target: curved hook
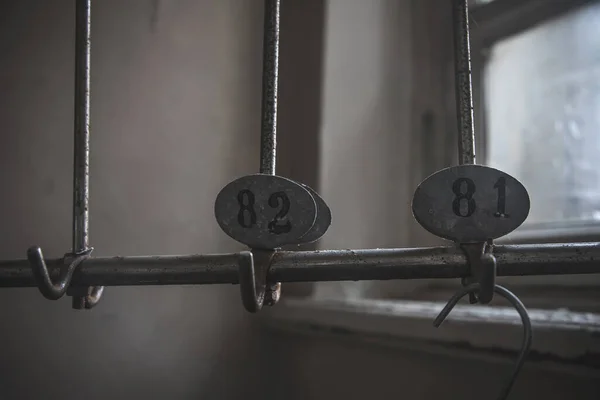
[482,265]
[273,293]
[527,330]
[252,287]
[85,297]
[50,290]
[94,297]
[254,267]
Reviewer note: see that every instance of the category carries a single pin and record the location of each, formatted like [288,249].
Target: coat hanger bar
[314,266]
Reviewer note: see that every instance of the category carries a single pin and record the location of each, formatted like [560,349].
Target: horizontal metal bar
[432,262]
[314,266]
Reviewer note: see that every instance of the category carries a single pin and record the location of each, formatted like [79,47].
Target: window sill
[549,233]
[561,337]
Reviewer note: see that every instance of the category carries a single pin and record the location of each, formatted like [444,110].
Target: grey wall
[365,147]
[175,116]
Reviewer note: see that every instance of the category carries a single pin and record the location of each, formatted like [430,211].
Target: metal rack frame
[84,277]
[444,262]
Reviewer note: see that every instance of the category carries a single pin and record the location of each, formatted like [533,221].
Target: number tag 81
[265,211]
[470,203]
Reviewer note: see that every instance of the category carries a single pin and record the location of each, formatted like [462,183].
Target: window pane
[542,98]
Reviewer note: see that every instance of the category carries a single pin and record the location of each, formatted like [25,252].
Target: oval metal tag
[265,211]
[470,203]
[323,220]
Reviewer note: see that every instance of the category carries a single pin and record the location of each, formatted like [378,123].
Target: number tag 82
[470,203]
[265,211]
[247,214]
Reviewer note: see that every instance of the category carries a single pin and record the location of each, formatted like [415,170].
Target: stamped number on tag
[470,203]
[265,211]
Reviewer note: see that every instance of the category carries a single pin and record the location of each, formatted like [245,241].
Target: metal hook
[527,330]
[482,264]
[50,290]
[85,297]
[273,293]
[253,269]
[251,286]
[94,297]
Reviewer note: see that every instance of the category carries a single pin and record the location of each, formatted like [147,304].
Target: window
[541,99]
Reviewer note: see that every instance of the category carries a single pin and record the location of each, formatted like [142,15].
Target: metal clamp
[253,269]
[49,289]
[482,264]
[527,330]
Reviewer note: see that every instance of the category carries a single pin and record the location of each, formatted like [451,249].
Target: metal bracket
[482,265]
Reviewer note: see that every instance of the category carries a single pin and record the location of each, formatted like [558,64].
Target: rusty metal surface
[270,83]
[313,266]
[270,79]
[463,86]
[81,153]
[432,262]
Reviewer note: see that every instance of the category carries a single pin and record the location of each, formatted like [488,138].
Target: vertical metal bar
[81,158]
[81,170]
[268,131]
[464,100]
[268,134]
[464,90]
